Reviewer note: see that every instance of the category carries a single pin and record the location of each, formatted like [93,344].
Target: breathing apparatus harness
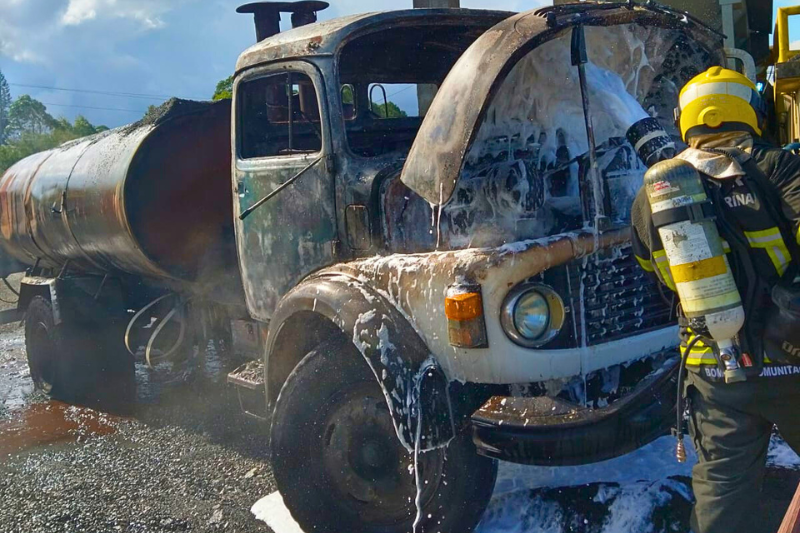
[785,294]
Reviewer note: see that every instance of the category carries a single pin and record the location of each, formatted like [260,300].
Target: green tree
[348,95]
[388,110]
[27,115]
[34,130]
[224,90]
[5,104]
[82,127]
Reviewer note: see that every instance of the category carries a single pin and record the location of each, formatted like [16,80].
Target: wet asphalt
[186,462]
[181,458]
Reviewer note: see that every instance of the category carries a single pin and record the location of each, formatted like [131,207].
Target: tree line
[27,128]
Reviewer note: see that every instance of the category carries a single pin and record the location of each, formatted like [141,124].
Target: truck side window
[279,115]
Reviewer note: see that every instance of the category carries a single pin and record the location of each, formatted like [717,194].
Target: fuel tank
[152,199]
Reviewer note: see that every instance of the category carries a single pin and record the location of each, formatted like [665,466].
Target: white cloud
[79,11]
[12,45]
[794,45]
[162,47]
[146,12]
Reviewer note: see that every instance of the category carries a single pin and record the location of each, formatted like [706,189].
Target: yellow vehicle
[785,71]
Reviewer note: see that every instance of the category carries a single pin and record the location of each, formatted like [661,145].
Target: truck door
[283,193]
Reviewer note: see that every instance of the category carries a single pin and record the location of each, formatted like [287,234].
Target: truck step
[250,375]
[249,382]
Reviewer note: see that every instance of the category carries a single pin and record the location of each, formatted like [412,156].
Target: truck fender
[411,379]
[31,286]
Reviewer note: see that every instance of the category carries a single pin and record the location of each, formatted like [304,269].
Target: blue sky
[146,48]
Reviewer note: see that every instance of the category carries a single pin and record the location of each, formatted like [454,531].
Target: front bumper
[553,432]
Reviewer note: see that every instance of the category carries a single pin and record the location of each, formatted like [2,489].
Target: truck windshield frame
[414,60]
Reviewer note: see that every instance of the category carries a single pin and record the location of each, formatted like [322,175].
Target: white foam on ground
[626,509]
[654,462]
[635,485]
[273,511]
[780,455]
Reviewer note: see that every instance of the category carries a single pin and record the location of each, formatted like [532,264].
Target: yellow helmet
[719,100]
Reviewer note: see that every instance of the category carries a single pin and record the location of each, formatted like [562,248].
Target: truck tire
[339,464]
[72,363]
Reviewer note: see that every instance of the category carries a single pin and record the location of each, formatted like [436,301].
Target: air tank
[709,297]
[152,199]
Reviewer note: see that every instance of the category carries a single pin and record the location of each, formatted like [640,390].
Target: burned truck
[421,292]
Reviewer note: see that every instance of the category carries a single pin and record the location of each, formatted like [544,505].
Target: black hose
[12,290]
[10,287]
[681,372]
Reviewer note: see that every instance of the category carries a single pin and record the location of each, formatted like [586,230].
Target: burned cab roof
[325,38]
[464,102]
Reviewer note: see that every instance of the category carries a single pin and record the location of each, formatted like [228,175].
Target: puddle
[42,424]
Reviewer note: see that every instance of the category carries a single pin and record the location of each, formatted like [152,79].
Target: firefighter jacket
[747,222]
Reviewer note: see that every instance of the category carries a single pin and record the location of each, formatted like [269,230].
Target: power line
[160,97]
[97,108]
[402,90]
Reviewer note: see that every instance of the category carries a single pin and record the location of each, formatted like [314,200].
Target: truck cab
[403,219]
[449,249]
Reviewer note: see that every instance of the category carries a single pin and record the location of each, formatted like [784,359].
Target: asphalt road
[182,458]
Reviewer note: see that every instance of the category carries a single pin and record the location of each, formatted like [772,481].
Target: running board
[248,380]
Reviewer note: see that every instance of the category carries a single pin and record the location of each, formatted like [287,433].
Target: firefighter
[755,191]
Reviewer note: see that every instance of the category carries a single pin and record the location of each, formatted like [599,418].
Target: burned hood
[465,109]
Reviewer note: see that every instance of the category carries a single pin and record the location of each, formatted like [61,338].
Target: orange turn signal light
[466,306]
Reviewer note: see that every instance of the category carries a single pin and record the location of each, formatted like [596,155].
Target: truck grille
[620,299]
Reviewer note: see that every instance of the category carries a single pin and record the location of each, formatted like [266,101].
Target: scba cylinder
[684,217]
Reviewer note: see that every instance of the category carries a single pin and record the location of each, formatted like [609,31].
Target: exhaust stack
[267,15]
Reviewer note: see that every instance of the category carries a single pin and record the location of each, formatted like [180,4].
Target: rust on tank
[106,203]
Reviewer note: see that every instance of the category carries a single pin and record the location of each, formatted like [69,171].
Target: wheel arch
[331,305]
[30,287]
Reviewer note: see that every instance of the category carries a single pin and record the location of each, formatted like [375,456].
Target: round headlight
[531,315]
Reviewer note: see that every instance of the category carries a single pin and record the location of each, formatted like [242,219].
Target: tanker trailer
[136,218]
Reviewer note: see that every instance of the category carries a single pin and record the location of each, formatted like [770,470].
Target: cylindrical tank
[706,288]
[152,199]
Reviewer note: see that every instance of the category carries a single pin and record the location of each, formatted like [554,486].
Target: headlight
[532,314]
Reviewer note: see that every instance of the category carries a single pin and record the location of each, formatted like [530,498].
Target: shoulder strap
[771,197]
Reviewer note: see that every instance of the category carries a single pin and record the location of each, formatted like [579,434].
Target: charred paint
[453,121]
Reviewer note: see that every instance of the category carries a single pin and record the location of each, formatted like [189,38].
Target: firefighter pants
[730,426]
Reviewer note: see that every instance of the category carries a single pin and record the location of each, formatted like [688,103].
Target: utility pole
[426,93]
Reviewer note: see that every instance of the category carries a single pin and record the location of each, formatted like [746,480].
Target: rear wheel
[76,362]
[341,468]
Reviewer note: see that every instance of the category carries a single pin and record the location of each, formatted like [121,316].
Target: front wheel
[341,468]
